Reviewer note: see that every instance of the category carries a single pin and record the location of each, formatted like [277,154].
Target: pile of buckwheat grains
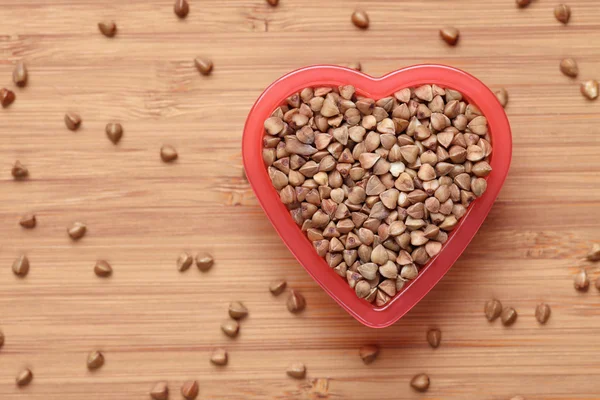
[376,185]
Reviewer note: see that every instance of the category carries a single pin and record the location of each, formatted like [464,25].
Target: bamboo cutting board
[154,323]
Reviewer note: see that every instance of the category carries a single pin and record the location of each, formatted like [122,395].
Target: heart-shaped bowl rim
[473,90]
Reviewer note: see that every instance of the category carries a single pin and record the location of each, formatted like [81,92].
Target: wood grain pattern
[154,323]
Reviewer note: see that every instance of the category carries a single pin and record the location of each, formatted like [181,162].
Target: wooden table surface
[154,323]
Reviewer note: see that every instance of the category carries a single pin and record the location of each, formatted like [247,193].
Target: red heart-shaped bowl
[473,90]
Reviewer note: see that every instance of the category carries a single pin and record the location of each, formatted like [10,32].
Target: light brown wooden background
[154,323]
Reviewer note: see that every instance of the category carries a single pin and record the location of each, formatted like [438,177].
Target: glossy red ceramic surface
[473,91]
